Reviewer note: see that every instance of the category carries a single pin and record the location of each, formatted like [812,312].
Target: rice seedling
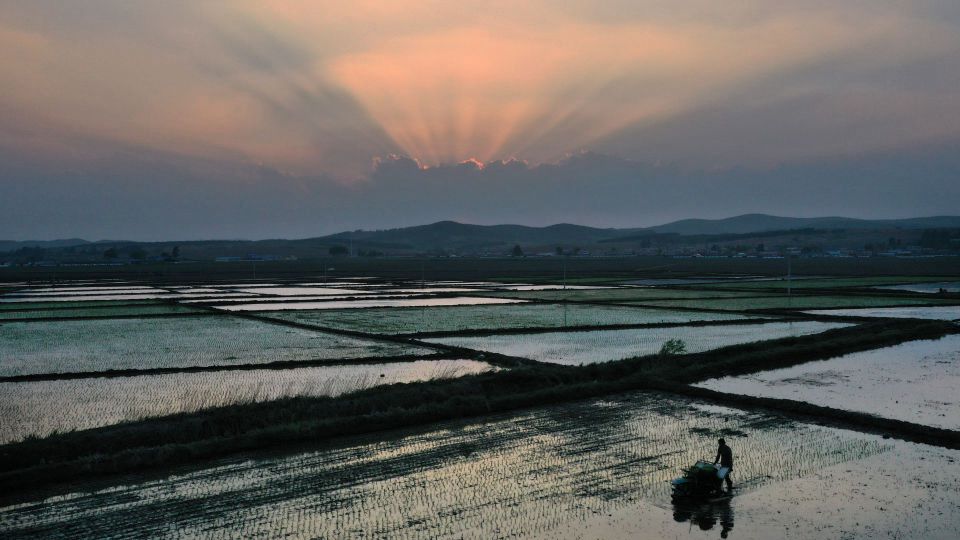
[104,311]
[37,409]
[370,303]
[11,299]
[103,344]
[521,315]
[532,474]
[117,289]
[58,304]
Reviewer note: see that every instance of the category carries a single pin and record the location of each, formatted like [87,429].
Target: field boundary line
[276,365]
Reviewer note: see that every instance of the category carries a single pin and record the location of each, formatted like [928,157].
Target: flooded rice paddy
[917,381]
[597,468]
[790,302]
[10,299]
[39,408]
[157,295]
[300,291]
[943,313]
[371,303]
[498,316]
[825,282]
[585,470]
[544,287]
[935,287]
[83,289]
[20,306]
[621,294]
[103,344]
[102,311]
[574,348]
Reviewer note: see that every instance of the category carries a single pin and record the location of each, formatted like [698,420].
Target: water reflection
[507,476]
[705,515]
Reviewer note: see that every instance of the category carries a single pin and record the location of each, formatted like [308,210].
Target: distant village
[93,254]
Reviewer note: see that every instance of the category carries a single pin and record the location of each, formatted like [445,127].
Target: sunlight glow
[311,86]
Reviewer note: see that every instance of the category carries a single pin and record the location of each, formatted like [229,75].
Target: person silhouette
[725,457]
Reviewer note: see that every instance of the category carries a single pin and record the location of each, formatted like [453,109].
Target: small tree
[517,252]
[176,252]
[110,253]
[673,346]
[337,251]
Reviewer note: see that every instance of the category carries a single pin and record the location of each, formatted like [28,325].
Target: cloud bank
[159,197]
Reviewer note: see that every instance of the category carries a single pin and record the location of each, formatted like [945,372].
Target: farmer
[725,457]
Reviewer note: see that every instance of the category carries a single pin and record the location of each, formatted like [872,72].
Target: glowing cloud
[310,86]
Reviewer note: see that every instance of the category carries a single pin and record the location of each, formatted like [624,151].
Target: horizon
[324,235]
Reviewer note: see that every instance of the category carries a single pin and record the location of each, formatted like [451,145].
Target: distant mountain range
[450,235]
[752,223]
[461,235]
[13,245]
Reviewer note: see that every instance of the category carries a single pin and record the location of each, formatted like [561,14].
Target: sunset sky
[285,118]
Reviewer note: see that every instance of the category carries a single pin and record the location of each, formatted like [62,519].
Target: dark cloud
[143,195]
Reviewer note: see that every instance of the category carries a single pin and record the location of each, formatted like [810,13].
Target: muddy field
[598,468]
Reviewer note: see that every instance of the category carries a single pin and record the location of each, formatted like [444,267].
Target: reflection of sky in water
[299,291]
[945,313]
[915,381]
[573,348]
[947,286]
[506,475]
[93,345]
[365,303]
[525,315]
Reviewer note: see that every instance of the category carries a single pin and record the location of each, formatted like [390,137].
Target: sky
[297,118]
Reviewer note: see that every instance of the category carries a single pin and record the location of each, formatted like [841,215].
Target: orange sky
[308,86]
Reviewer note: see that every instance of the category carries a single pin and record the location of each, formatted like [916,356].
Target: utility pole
[789,273]
[564,273]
